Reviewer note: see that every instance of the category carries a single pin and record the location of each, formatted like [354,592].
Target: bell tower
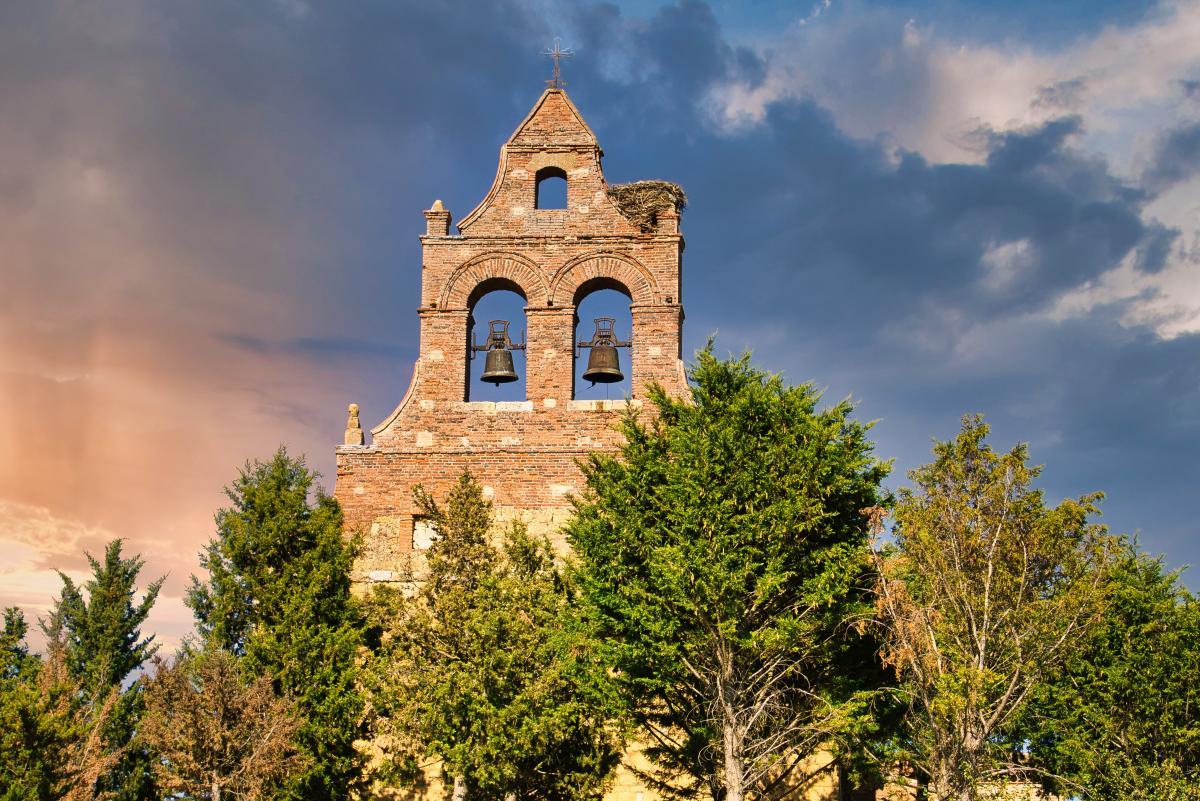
[523,452]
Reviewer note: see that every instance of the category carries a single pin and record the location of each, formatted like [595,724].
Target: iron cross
[557,53]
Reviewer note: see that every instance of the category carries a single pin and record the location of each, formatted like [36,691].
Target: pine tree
[483,667]
[721,553]
[278,594]
[52,742]
[99,625]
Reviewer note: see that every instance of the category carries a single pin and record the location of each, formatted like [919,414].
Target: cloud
[1176,158]
[1062,95]
[175,172]
[929,284]
[884,74]
[38,545]
[320,349]
[208,222]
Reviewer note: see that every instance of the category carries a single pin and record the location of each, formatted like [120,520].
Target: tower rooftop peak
[554,121]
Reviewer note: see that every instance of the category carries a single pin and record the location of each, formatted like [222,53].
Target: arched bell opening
[550,188]
[603,332]
[495,342]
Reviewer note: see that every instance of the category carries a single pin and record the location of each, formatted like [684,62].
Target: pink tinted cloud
[161,319]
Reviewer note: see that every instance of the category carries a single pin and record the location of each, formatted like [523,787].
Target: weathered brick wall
[525,471]
[524,453]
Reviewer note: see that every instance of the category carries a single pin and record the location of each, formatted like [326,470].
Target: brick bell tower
[523,452]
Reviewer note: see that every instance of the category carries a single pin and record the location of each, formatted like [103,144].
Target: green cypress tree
[278,594]
[102,646]
[103,636]
[484,667]
[1120,719]
[37,729]
[57,739]
[721,553]
[15,659]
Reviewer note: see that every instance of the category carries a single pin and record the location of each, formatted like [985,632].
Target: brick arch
[599,269]
[498,269]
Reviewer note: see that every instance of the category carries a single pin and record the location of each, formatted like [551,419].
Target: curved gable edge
[502,167]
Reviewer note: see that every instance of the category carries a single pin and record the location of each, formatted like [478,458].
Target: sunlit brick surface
[524,452]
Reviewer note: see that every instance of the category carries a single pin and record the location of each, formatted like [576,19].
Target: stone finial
[437,220]
[354,432]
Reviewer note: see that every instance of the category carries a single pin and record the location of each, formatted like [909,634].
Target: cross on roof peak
[557,54]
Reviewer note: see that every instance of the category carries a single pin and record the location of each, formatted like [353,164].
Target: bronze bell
[498,367]
[603,366]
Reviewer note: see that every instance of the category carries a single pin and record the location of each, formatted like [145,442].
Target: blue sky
[209,212]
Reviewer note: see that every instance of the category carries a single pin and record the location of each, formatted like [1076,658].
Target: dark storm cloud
[171,172]
[1176,158]
[925,290]
[831,218]
[652,76]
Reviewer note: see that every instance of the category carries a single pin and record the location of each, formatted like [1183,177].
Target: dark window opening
[550,192]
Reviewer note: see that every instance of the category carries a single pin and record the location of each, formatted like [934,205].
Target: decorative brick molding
[603,270]
[506,270]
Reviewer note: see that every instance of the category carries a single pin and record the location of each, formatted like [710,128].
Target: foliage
[96,644]
[721,553]
[97,631]
[985,589]
[33,738]
[218,734]
[278,593]
[103,638]
[1120,721]
[15,659]
[482,668]
[51,741]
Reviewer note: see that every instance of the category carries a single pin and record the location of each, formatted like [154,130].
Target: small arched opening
[492,303]
[550,188]
[602,304]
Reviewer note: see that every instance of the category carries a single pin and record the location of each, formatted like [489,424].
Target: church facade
[524,453]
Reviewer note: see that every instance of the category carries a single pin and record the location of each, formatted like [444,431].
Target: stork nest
[642,201]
